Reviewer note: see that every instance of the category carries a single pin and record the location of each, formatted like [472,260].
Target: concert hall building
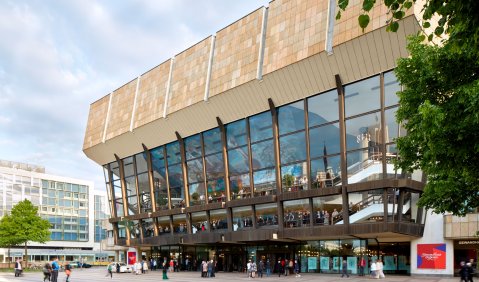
[273,138]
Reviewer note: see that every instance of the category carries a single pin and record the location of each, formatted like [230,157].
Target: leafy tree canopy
[23,224]
[440,101]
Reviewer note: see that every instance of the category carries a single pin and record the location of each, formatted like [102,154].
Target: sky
[59,56]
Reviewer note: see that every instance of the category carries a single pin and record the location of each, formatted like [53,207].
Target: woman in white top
[379,267]
[373,270]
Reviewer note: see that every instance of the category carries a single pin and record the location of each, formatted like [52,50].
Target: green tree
[439,108]
[22,225]
[439,104]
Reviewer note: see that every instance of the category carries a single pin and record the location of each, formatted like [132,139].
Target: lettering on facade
[468,242]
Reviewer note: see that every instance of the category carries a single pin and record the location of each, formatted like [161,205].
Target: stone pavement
[98,274]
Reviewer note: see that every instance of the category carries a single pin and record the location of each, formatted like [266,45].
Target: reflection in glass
[264,182]
[410,209]
[391,87]
[218,220]
[326,172]
[141,163]
[197,194]
[236,134]
[148,227]
[266,215]
[216,191]
[392,127]
[199,222]
[179,223]
[294,177]
[212,141]
[324,140]
[363,166]
[195,170]
[173,153]
[263,154]
[128,166]
[364,132]
[214,166]
[175,176]
[134,226]
[291,117]
[240,186]
[163,225]
[296,213]
[323,108]
[362,96]
[242,217]
[118,198]
[261,127]
[292,148]
[368,206]
[131,196]
[193,147]
[238,160]
[324,207]
[144,193]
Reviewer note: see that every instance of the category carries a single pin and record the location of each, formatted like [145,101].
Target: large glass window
[131,195]
[364,132]
[391,87]
[326,172]
[159,178]
[214,165]
[144,193]
[266,215]
[199,222]
[324,140]
[175,175]
[326,209]
[368,206]
[362,96]
[240,186]
[323,108]
[179,223]
[264,182]
[148,227]
[238,159]
[294,177]
[163,225]
[363,167]
[296,213]
[261,127]
[117,192]
[242,217]
[197,193]
[218,220]
[291,117]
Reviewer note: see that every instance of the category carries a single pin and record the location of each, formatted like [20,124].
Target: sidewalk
[98,274]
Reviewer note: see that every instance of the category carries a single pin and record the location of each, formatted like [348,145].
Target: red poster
[432,256]
[131,258]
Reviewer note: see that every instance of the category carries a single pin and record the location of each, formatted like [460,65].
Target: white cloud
[57,57]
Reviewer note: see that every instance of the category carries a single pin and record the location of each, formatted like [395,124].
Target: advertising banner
[431,256]
[131,258]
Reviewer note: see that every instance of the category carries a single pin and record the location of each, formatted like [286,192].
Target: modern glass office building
[273,138]
[67,203]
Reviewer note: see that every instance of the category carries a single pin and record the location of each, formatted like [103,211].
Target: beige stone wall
[461,227]
[296,30]
[235,59]
[121,109]
[96,122]
[150,101]
[189,76]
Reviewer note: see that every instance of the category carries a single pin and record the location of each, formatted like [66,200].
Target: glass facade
[282,169]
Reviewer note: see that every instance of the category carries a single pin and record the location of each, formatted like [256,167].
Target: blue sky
[59,56]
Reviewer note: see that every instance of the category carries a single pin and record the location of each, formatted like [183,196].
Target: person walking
[362,264]
[260,268]
[463,272]
[373,269]
[278,268]
[18,268]
[110,271]
[47,271]
[379,269]
[345,269]
[165,270]
[68,271]
[296,268]
[55,269]
[268,268]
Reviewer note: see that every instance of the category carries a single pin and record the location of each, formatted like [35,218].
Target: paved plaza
[98,274]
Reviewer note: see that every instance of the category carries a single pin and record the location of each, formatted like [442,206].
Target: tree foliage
[22,225]
[439,108]
[440,101]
